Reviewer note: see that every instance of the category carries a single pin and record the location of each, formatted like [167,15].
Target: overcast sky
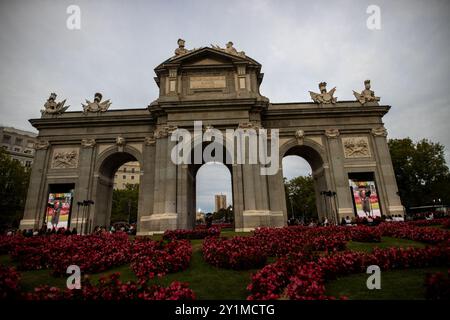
[298,43]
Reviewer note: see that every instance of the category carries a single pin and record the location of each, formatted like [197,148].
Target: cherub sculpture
[366,95]
[97,105]
[324,96]
[53,107]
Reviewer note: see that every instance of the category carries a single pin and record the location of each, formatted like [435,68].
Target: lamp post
[79,203]
[291,195]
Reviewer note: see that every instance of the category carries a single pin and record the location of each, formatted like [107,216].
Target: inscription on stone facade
[207,82]
[356,147]
[65,158]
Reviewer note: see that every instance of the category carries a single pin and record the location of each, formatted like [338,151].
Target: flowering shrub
[9,282]
[235,253]
[437,286]
[156,258]
[191,234]
[112,288]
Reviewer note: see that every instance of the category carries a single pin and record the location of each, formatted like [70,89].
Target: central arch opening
[304,182]
[117,193]
[210,184]
[213,193]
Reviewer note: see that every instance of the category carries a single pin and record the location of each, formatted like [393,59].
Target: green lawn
[395,285]
[386,242]
[209,282]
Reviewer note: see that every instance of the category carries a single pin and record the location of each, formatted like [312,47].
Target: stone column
[339,179]
[277,199]
[146,182]
[386,172]
[83,189]
[35,203]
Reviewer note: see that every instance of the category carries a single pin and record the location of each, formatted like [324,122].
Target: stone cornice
[109,118]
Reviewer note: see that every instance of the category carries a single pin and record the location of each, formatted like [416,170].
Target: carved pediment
[205,61]
[205,56]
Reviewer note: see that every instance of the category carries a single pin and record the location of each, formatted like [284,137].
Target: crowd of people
[367,220]
[44,230]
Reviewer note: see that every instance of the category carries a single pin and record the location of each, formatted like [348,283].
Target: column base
[255,218]
[27,224]
[397,210]
[158,223]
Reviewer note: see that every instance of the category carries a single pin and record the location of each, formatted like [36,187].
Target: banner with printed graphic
[58,210]
[365,198]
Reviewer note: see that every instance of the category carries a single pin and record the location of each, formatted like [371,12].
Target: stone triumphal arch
[81,150]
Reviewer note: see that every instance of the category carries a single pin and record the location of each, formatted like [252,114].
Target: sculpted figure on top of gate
[97,105]
[324,96]
[53,107]
[366,95]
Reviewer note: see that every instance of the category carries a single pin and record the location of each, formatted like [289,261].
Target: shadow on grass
[395,285]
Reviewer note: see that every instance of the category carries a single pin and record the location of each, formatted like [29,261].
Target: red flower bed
[112,288]
[236,253]
[446,224]
[307,280]
[269,282]
[156,258]
[408,231]
[191,234]
[365,234]
[9,283]
[437,286]
[281,241]
[426,223]
[93,253]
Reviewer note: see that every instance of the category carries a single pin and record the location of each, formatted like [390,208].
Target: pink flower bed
[112,288]
[191,234]
[156,258]
[235,253]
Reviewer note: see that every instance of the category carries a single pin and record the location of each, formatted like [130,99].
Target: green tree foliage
[125,204]
[300,197]
[421,172]
[14,179]
[225,214]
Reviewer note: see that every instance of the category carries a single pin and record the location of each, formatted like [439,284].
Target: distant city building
[19,144]
[220,201]
[129,173]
